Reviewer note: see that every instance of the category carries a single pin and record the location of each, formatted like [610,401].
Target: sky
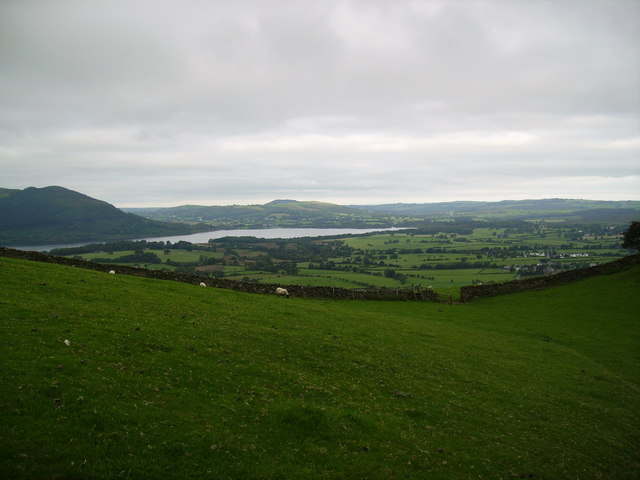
[165,103]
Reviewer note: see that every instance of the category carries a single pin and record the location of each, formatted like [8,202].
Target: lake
[203,237]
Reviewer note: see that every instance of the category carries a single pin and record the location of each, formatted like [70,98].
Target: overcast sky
[162,103]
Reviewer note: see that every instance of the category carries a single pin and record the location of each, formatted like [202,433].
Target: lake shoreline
[204,237]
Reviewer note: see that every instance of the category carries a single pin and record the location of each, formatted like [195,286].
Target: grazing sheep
[67,343]
[202,284]
[282,291]
[112,272]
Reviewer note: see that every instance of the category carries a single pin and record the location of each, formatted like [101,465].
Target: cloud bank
[165,103]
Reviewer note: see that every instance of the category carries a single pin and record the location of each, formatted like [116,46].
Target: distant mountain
[55,214]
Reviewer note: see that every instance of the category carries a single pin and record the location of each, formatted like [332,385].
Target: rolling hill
[557,209]
[277,212]
[296,213]
[168,380]
[56,214]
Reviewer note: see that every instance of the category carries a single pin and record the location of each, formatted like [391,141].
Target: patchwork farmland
[444,260]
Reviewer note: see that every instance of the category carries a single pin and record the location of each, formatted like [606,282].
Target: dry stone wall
[472,292]
[406,294]
[467,293]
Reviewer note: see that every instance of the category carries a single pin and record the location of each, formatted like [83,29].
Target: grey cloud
[250,100]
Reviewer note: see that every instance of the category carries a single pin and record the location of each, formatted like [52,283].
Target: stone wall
[472,292]
[467,293]
[406,294]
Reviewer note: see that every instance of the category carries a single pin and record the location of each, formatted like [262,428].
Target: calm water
[203,237]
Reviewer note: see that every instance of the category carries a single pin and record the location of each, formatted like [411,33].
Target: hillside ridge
[56,214]
[277,212]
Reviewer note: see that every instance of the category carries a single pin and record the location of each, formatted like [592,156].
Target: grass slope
[168,380]
[56,214]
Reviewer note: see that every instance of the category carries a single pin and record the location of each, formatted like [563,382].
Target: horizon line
[241,204]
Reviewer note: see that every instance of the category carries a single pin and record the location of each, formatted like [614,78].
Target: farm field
[169,380]
[445,260]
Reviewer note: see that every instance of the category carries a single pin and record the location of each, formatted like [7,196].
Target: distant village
[547,266]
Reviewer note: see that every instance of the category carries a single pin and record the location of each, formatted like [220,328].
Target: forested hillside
[56,214]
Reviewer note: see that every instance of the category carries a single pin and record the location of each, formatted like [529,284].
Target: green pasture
[463,276]
[230,270]
[111,256]
[156,266]
[449,281]
[381,241]
[152,266]
[317,277]
[173,381]
[480,238]
[380,252]
[303,280]
[185,256]
[355,280]
[487,233]
[174,255]
[444,281]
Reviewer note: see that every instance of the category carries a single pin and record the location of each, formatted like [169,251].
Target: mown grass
[169,380]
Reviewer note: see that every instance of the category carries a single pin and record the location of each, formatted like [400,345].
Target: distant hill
[275,213]
[292,213]
[575,211]
[56,214]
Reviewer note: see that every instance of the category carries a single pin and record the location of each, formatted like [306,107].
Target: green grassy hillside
[56,214]
[169,380]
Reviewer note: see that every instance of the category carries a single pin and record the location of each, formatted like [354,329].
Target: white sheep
[112,272]
[282,291]
[202,284]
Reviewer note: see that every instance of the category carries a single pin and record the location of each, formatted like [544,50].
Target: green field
[173,381]
[173,255]
[445,261]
